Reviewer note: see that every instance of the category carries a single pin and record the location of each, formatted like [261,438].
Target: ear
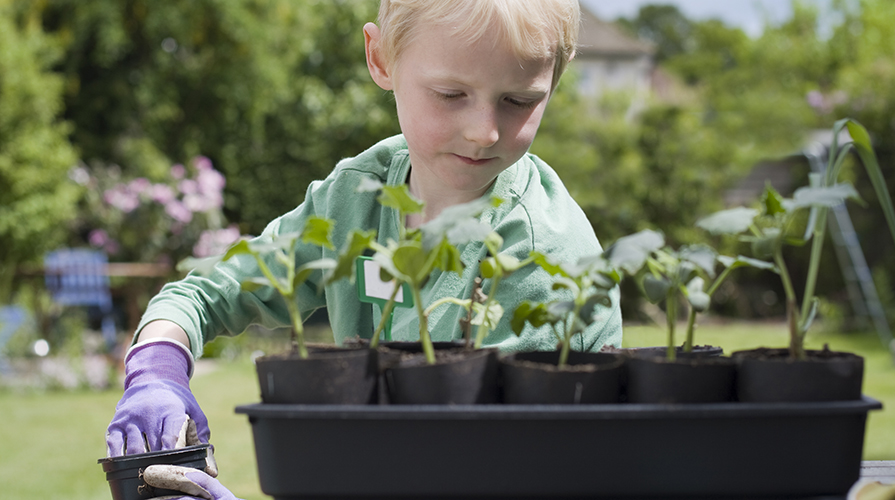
[375,63]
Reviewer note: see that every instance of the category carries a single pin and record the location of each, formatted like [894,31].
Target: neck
[436,198]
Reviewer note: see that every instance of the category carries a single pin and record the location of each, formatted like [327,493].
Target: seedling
[773,225]
[663,273]
[589,281]
[412,258]
[277,264]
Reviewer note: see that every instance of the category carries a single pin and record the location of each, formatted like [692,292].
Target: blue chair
[77,277]
[11,319]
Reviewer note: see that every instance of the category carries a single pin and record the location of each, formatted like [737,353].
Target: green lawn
[50,442]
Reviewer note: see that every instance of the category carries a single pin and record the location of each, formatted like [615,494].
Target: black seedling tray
[745,450]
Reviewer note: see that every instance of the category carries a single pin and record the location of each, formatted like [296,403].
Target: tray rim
[557,412]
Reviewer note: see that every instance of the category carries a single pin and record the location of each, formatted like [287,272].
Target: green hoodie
[537,214]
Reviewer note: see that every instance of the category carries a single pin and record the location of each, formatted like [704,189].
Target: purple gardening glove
[153,411]
[193,482]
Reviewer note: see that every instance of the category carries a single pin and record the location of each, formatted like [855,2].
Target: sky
[749,15]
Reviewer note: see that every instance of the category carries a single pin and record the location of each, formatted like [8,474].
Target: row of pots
[397,374]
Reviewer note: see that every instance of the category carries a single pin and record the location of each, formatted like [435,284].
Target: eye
[522,103]
[447,96]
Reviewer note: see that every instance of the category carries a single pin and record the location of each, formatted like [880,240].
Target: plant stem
[691,327]
[386,313]
[483,328]
[425,340]
[796,349]
[814,264]
[298,337]
[567,338]
[671,319]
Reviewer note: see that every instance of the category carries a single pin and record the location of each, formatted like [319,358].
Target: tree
[36,198]
[665,26]
[274,92]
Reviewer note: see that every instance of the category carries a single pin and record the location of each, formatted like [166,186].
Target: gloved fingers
[173,477]
[188,435]
[211,465]
[134,440]
[190,481]
[114,442]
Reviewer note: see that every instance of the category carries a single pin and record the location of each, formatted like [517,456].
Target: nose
[482,126]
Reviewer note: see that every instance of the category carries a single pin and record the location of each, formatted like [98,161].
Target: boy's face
[467,110]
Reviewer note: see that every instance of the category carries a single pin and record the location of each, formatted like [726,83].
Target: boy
[471,80]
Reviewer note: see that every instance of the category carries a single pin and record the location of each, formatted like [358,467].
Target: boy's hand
[157,402]
[193,482]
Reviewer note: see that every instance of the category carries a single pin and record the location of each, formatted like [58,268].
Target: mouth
[474,161]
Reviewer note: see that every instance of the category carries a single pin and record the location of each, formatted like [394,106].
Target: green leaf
[829,197]
[533,313]
[730,221]
[702,256]
[697,298]
[399,198]
[358,242]
[410,260]
[587,314]
[318,231]
[508,263]
[772,201]
[655,288]
[561,282]
[447,258]
[630,253]
[458,223]
[489,315]
[863,146]
[546,264]
[488,268]
[239,248]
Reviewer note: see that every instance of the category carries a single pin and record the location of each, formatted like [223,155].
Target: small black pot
[654,379]
[698,351]
[534,378]
[461,376]
[125,473]
[328,376]
[770,375]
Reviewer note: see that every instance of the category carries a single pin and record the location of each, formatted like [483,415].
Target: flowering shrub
[139,220]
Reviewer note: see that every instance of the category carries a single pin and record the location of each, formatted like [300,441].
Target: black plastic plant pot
[460,376]
[327,376]
[717,450]
[125,473]
[698,351]
[771,375]
[588,378]
[686,380]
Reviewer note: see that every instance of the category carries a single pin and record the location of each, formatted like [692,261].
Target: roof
[599,38]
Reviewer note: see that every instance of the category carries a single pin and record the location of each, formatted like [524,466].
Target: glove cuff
[158,359]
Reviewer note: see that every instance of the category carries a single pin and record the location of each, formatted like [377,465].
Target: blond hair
[534,29]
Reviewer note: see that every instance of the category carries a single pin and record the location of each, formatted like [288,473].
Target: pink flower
[139,185]
[216,242]
[122,198]
[202,163]
[178,171]
[161,193]
[210,181]
[178,211]
[188,186]
[99,238]
[196,203]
